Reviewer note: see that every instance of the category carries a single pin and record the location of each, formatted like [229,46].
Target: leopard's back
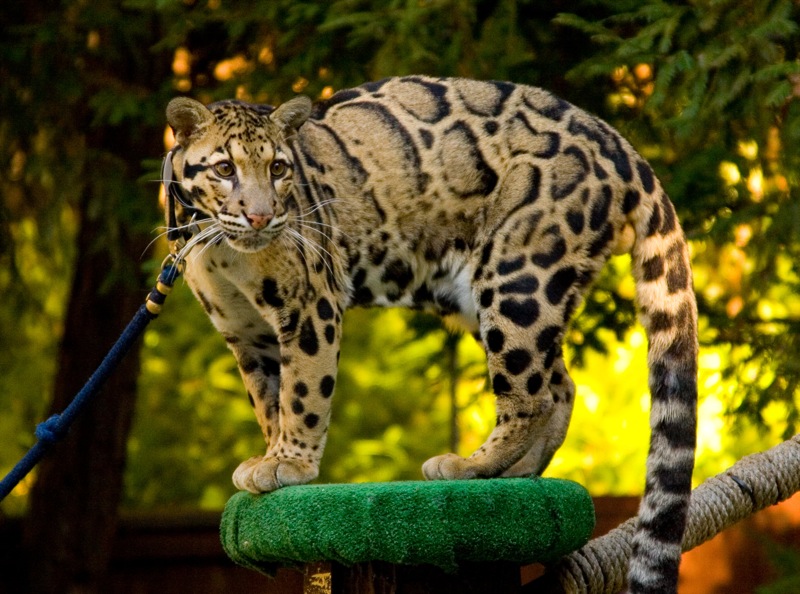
[422,171]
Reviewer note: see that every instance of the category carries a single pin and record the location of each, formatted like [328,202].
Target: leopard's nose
[258,221]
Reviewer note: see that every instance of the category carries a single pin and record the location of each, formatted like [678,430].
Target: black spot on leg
[575,220]
[330,333]
[248,364]
[559,284]
[309,342]
[547,259]
[326,386]
[599,212]
[550,358]
[269,292]
[297,407]
[523,313]
[268,339]
[324,309]
[534,384]
[207,305]
[250,398]
[487,296]
[495,339]
[311,420]
[505,267]
[301,389]
[602,240]
[290,325]
[570,306]
[524,285]
[546,338]
[517,361]
[270,366]
[630,201]
[500,384]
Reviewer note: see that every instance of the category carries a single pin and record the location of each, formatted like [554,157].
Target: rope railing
[755,482]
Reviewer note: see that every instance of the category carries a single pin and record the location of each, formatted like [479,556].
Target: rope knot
[50,431]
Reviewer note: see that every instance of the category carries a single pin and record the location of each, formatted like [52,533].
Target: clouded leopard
[493,203]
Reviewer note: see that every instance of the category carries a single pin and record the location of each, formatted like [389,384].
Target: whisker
[314,224]
[316,207]
[312,243]
[167,230]
[211,242]
[296,245]
[324,234]
[204,235]
[313,246]
[185,227]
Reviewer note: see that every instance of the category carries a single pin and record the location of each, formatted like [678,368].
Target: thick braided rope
[752,484]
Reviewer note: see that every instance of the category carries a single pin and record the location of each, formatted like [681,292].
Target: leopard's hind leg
[546,443]
[526,286]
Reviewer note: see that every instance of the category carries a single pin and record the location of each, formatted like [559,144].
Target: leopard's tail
[668,311]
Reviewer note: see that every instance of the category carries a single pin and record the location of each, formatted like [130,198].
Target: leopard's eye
[277,168]
[224,169]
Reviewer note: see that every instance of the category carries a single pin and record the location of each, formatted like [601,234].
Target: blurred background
[707,91]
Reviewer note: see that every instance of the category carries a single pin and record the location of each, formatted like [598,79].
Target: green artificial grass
[442,523]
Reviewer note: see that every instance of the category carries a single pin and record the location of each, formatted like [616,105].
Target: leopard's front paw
[262,474]
[450,466]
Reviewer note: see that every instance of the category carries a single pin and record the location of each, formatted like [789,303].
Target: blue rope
[55,428]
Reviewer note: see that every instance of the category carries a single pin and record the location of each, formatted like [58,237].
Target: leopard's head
[235,164]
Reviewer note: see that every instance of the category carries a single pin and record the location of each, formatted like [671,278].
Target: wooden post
[378,577]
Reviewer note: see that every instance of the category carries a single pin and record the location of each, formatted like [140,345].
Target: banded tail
[668,312]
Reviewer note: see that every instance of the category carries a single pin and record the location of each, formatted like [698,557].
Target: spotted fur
[491,203]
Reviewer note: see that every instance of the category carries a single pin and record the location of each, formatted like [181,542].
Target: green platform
[441,523]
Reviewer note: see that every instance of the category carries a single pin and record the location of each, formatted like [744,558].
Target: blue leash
[55,428]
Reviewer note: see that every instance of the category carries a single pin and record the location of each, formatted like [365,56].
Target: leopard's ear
[188,119]
[292,114]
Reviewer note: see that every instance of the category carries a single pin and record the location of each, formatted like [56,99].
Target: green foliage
[193,418]
[707,91]
[720,95]
[714,60]
[786,560]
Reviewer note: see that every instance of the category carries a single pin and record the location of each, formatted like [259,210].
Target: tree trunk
[71,522]
[73,505]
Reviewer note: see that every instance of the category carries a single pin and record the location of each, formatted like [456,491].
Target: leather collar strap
[174,193]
